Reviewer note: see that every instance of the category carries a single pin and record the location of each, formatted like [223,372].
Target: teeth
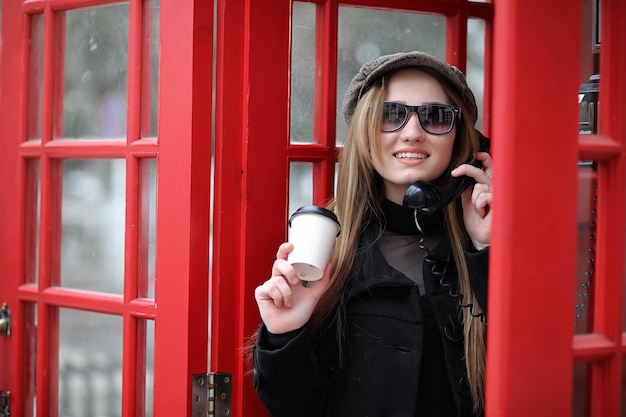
[411,155]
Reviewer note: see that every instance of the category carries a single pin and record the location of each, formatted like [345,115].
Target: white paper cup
[313,233]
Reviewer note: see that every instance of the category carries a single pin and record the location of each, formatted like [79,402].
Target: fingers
[283,268]
[485,158]
[481,175]
[487,162]
[481,198]
[277,290]
[477,200]
[281,288]
[284,250]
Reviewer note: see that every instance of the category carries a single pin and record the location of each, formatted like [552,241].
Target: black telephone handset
[429,199]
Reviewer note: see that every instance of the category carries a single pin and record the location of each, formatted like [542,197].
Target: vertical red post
[12,132]
[251,172]
[183,183]
[535,120]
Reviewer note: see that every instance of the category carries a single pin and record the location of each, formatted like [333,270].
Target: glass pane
[475,73]
[590,39]
[145,367]
[30,358]
[300,185]
[585,249]
[147,229]
[303,73]
[90,364]
[589,68]
[93,207]
[95,72]
[587,177]
[31,222]
[34,76]
[582,387]
[588,105]
[150,68]
[364,34]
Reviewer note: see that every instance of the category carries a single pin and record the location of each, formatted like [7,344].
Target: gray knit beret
[377,68]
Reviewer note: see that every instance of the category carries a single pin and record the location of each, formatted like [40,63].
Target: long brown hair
[357,202]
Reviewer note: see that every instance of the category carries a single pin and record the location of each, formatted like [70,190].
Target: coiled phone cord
[441,274]
[591,261]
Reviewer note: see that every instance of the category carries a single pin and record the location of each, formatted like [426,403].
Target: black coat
[378,374]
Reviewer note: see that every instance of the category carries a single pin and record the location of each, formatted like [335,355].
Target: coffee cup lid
[316,210]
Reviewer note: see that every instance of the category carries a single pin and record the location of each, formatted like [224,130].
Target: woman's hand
[477,200]
[284,303]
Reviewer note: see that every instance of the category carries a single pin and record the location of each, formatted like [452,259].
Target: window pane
[475,73]
[95,72]
[586,247]
[300,185]
[90,364]
[150,68]
[93,217]
[147,229]
[145,367]
[34,76]
[32,219]
[365,34]
[589,69]
[303,73]
[30,358]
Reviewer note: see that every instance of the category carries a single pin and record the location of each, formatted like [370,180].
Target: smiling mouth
[410,155]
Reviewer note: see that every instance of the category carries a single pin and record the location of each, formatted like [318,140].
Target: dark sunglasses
[435,118]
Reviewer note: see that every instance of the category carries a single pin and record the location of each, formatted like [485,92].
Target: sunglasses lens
[394,116]
[437,119]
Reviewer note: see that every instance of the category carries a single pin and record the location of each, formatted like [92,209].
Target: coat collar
[371,269]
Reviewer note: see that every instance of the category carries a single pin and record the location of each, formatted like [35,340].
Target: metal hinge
[5,320]
[5,404]
[211,395]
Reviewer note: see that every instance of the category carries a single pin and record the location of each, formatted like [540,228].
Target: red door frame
[183,151]
[11,223]
[530,299]
[531,358]
[183,210]
[604,349]
[251,138]
[252,151]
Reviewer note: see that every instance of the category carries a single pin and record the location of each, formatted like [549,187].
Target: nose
[412,129]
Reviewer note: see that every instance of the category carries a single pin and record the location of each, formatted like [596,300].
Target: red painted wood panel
[534,120]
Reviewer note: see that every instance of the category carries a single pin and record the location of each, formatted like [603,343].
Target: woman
[396,327]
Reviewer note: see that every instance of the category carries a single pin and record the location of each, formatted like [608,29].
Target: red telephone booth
[151,151]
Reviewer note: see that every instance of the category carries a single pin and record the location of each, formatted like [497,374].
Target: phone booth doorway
[151,152]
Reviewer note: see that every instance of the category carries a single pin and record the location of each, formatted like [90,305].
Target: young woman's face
[411,153]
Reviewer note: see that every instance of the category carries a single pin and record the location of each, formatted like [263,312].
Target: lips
[410,155]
